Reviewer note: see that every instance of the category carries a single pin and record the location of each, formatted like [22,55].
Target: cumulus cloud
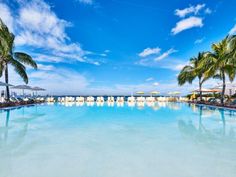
[42,28]
[233,30]
[187,23]
[149,51]
[190,10]
[38,27]
[6,16]
[165,54]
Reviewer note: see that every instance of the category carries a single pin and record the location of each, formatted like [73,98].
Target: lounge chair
[100,99]
[79,99]
[120,99]
[150,99]
[141,99]
[131,99]
[110,99]
[90,99]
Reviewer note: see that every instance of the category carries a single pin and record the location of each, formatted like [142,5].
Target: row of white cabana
[112,99]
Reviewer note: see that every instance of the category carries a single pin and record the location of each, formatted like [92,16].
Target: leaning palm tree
[221,62]
[192,71]
[9,57]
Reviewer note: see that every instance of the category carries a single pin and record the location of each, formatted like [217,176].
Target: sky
[85,47]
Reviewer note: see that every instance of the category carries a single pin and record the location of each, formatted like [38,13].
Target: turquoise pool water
[168,140]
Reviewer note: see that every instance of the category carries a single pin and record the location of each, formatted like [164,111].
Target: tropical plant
[192,71]
[17,60]
[221,62]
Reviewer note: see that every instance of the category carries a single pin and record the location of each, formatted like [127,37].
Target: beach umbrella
[3,84]
[140,93]
[36,89]
[207,90]
[155,92]
[22,87]
[174,93]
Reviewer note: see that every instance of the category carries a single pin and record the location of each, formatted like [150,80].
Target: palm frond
[25,58]
[19,68]
[186,75]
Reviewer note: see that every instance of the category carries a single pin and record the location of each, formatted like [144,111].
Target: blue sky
[115,46]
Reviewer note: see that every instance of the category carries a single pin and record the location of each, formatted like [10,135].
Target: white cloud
[208,11]
[199,41]
[178,67]
[149,51]
[38,27]
[47,58]
[45,67]
[156,83]
[149,79]
[169,63]
[165,54]
[43,29]
[190,10]
[6,16]
[187,23]
[55,81]
[89,2]
[58,81]
[233,30]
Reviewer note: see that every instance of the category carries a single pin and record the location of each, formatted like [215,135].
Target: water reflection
[214,126]
[13,132]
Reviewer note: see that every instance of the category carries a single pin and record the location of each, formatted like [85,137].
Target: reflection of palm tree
[201,134]
[222,119]
[18,140]
[6,124]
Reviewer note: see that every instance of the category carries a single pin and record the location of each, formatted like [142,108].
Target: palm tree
[221,62]
[232,48]
[9,57]
[193,71]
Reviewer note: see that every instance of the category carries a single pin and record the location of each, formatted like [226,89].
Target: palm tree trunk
[7,87]
[200,89]
[223,88]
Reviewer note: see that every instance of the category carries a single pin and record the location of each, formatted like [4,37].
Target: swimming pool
[167,140]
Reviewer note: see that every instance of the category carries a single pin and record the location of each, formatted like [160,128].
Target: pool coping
[200,104]
[215,106]
[19,106]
